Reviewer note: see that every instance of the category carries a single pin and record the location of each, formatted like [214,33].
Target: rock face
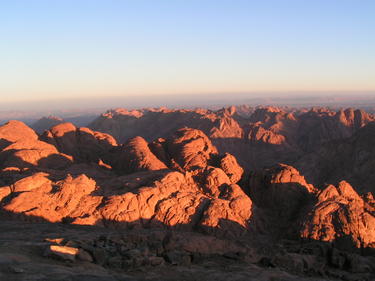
[350,159]
[180,184]
[258,137]
[81,143]
[285,196]
[54,202]
[136,156]
[21,149]
[163,200]
[342,216]
[191,149]
[14,131]
[281,189]
[197,195]
[26,154]
[335,214]
[229,164]
[321,125]
[124,124]
[270,125]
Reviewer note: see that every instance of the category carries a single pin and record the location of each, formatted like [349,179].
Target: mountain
[350,159]
[176,194]
[46,123]
[259,137]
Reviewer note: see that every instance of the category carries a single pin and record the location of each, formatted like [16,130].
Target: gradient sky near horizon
[70,48]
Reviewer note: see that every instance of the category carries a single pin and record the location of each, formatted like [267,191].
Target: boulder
[62,252]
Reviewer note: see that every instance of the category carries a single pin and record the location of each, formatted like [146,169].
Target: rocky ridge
[258,137]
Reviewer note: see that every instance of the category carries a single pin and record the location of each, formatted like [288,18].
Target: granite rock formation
[198,186]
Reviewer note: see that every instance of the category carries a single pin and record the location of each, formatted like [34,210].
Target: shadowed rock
[135,156]
[46,123]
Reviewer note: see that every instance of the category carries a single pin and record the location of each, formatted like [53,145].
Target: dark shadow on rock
[4,143]
[179,245]
[124,226]
[283,205]
[55,161]
[255,155]
[128,183]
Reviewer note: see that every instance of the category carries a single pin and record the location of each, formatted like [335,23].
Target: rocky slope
[180,190]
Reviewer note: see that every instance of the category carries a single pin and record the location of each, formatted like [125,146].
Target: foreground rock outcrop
[342,216]
[149,192]
[21,149]
[284,193]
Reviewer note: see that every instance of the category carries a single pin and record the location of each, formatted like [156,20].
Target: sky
[61,49]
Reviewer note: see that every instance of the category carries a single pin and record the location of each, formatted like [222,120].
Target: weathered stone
[62,252]
[340,216]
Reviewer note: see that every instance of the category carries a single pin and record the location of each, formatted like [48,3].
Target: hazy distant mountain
[46,123]
[81,117]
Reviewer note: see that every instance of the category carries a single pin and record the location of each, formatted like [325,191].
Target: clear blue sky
[70,48]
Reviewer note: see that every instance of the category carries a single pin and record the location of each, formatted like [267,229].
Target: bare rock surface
[342,216]
[190,148]
[200,194]
[135,156]
[82,144]
[154,196]
[350,159]
[14,131]
[257,137]
[229,164]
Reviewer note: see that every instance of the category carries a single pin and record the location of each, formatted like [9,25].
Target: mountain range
[272,193]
